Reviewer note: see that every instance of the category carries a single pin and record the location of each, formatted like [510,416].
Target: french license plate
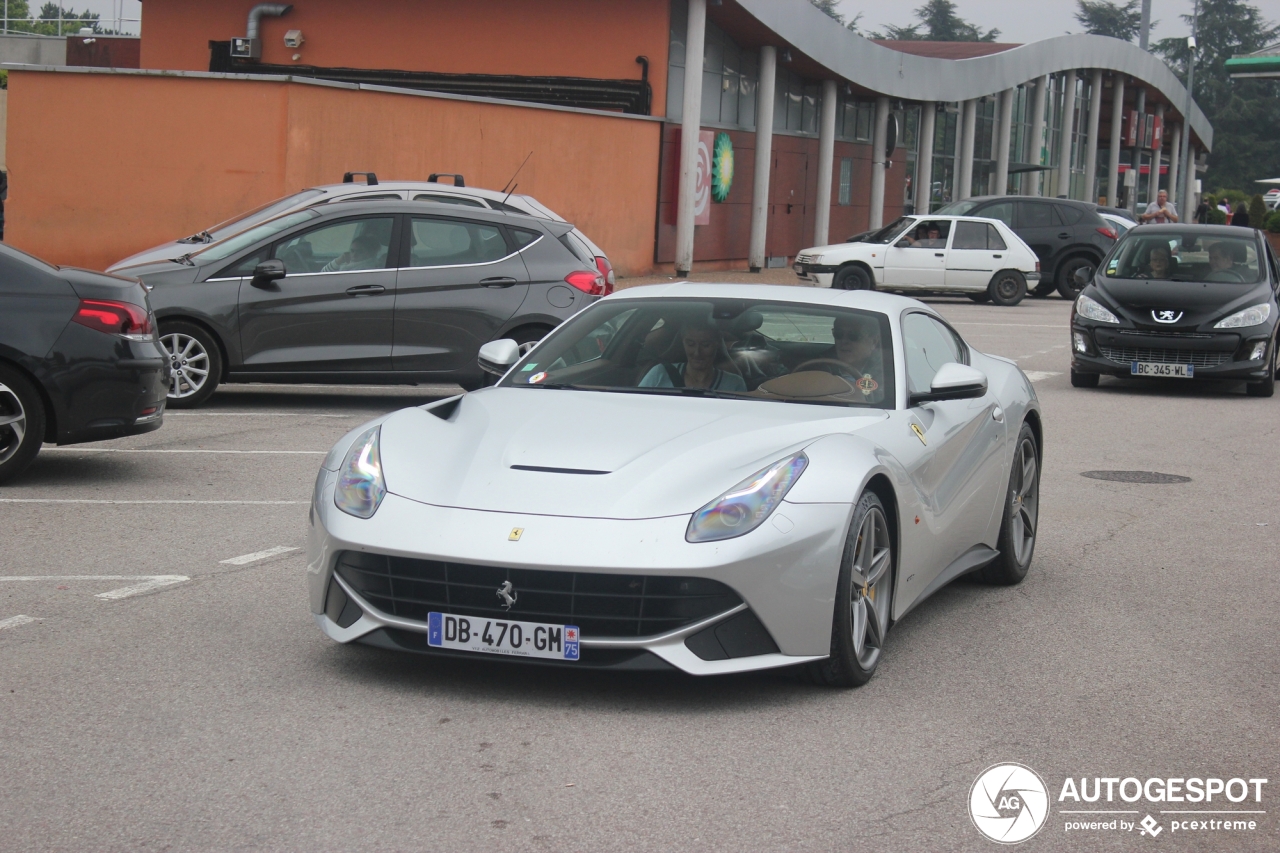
[1177,371]
[502,637]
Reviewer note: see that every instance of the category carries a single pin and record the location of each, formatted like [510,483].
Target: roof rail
[457,179]
[370,178]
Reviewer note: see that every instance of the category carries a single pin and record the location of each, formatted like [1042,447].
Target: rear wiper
[185,260]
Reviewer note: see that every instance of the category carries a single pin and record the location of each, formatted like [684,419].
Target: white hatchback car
[981,258]
[371,189]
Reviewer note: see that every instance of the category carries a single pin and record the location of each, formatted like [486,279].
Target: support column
[1117,117]
[1004,130]
[879,136]
[964,169]
[1157,155]
[1091,137]
[826,158]
[1136,155]
[1175,160]
[690,125]
[924,156]
[764,157]
[1068,131]
[1036,154]
[1189,179]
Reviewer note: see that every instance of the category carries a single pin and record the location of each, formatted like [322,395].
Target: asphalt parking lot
[140,711]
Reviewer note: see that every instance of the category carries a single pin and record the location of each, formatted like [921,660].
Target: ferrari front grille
[1166,356]
[601,605]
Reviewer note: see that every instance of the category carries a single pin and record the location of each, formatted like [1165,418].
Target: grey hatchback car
[364,292]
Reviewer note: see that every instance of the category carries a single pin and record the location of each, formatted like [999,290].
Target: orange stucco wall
[568,38]
[159,157]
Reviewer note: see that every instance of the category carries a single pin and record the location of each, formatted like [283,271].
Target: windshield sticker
[530,366]
[867,385]
[537,378]
[1113,266]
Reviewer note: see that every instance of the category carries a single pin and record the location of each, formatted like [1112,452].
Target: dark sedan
[365,292]
[79,359]
[1180,301]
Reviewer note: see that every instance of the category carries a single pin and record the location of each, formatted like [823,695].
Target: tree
[831,9]
[53,20]
[1257,211]
[1103,18]
[938,22]
[1245,114]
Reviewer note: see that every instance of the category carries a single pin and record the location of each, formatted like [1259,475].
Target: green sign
[722,167]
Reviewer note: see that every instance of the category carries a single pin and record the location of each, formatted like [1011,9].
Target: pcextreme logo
[1009,803]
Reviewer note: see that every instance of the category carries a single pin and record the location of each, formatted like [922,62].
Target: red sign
[1130,129]
[1157,132]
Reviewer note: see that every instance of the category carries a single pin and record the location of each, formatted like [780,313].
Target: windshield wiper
[185,260]
[201,237]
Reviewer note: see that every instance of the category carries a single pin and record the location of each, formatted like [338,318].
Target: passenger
[703,346]
[1159,263]
[363,255]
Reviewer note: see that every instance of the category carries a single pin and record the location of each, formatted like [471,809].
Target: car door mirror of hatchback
[496,357]
[1083,276]
[267,272]
[953,381]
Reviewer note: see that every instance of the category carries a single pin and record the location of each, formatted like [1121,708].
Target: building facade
[791,131]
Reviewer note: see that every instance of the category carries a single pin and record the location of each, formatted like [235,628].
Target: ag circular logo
[1008,803]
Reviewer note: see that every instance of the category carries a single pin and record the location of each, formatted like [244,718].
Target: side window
[451,242]
[1034,214]
[1069,215]
[440,198]
[970,235]
[524,237]
[994,240]
[244,266]
[349,245]
[929,345]
[929,234]
[1000,210]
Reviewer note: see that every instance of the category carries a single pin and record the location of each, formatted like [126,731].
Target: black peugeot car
[1067,236]
[395,292]
[79,359]
[1180,301]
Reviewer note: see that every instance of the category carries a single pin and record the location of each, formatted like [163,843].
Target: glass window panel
[846,180]
[353,244]
[994,241]
[446,242]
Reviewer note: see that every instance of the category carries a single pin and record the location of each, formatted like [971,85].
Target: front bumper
[786,579]
[815,274]
[1221,356]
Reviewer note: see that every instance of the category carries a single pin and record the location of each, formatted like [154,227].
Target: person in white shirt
[1160,211]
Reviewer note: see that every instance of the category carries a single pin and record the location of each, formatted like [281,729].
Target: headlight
[1090,309]
[745,507]
[360,486]
[1255,316]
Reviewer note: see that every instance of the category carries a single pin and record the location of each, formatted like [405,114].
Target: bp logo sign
[722,167]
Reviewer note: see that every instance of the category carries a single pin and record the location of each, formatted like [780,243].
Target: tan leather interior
[808,385]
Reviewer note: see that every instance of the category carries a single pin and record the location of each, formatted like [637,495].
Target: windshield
[1186,257]
[260,214]
[738,348]
[890,232]
[244,239]
[957,208]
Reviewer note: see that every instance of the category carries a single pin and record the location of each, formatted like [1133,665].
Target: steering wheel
[1225,275]
[831,361]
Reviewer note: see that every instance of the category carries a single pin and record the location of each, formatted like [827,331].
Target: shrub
[1217,217]
[1272,222]
[1257,211]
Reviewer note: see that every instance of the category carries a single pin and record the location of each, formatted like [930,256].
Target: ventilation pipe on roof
[250,47]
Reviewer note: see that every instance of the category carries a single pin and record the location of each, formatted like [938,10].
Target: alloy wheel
[872,588]
[1025,502]
[13,423]
[189,365]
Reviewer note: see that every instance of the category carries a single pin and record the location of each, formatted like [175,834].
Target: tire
[979,297]
[864,594]
[1267,387]
[1007,288]
[22,423]
[852,278]
[1066,275]
[195,364]
[1084,380]
[1017,542]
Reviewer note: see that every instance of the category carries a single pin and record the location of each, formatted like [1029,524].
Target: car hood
[659,456]
[152,256]
[1199,302]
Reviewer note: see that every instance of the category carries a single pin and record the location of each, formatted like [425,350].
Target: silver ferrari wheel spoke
[871,582]
[860,628]
[1026,498]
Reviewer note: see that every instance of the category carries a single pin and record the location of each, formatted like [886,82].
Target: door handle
[365,290]
[1064,236]
[997,256]
[939,254]
[497,281]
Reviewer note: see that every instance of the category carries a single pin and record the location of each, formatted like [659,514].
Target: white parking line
[15,621]
[245,559]
[155,582]
[149,582]
[155,450]
[94,501]
[255,415]
[1037,375]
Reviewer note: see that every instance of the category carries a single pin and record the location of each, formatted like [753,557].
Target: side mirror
[1083,276]
[953,381]
[904,243]
[267,272]
[496,357]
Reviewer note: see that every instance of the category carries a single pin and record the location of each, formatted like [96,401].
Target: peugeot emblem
[1166,316]
[507,593]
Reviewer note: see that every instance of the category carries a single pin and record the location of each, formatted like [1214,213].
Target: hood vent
[557,470]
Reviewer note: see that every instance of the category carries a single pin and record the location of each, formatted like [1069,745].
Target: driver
[1159,263]
[927,237]
[856,356]
[703,345]
[1222,263]
[362,255]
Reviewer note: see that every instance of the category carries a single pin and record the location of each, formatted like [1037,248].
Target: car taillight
[114,318]
[590,283]
[1037,266]
[606,270]
[1107,231]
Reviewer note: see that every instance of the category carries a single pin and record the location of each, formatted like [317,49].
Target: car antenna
[513,177]
[508,195]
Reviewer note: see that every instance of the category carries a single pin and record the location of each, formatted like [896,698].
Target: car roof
[423,186]
[346,207]
[1192,228]
[870,300]
[1087,205]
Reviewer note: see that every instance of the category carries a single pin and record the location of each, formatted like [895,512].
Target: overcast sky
[1017,20]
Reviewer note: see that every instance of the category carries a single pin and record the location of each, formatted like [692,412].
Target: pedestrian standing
[1160,211]
[1241,216]
[1202,213]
